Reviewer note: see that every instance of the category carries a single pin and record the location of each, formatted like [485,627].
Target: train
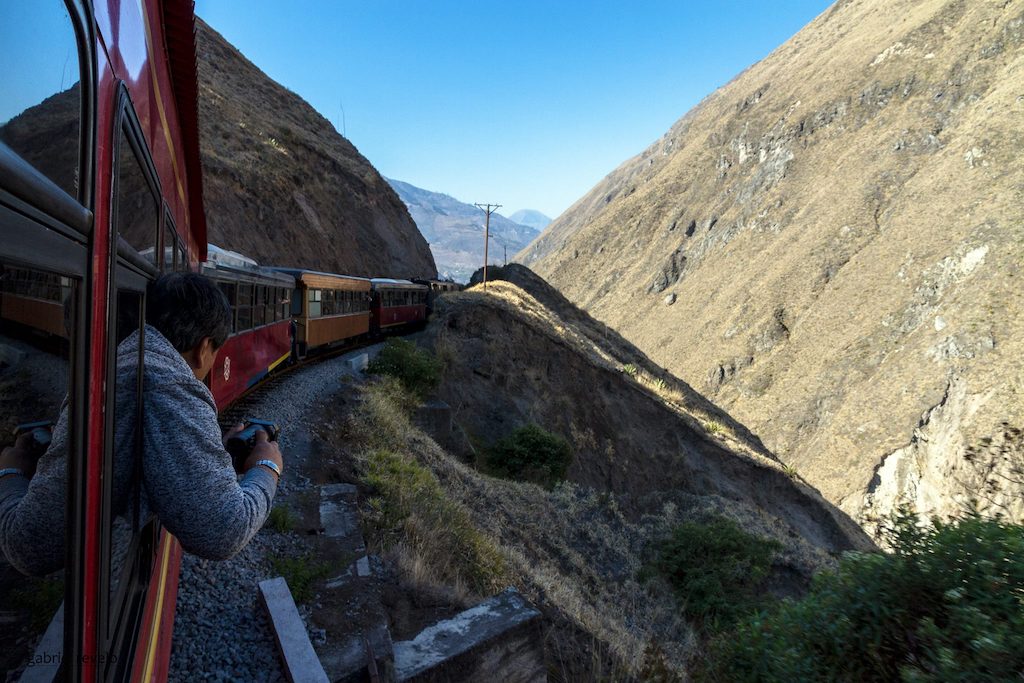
[100,193]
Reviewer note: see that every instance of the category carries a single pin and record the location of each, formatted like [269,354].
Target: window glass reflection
[36,310]
[40,95]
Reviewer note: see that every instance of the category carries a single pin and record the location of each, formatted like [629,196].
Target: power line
[488,209]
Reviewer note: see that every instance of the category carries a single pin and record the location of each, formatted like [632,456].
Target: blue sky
[527,104]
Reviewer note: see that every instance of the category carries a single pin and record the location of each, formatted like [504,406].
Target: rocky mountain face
[531,218]
[281,185]
[455,231]
[831,248]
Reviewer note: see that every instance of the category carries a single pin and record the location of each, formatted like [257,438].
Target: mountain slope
[455,230]
[282,186]
[830,247]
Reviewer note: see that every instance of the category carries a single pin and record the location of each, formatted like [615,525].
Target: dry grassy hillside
[830,247]
[281,185]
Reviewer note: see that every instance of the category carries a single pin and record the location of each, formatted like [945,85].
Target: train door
[46,169]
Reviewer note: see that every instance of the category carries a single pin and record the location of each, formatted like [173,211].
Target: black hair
[186,307]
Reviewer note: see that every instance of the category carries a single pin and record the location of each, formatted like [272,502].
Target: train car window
[125,450]
[297,302]
[229,290]
[244,307]
[315,296]
[41,108]
[182,257]
[258,315]
[37,325]
[170,248]
[138,217]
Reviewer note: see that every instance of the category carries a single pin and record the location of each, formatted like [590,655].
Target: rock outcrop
[840,232]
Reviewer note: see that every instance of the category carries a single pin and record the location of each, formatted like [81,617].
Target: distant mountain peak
[455,230]
[530,217]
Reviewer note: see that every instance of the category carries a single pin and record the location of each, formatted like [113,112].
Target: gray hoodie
[187,478]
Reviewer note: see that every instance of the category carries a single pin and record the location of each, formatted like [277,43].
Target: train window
[258,306]
[297,302]
[229,290]
[37,313]
[138,217]
[182,257]
[41,108]
[314,296]
[244,307]
[169,262]
[126,422]
[284,302]
[327,302]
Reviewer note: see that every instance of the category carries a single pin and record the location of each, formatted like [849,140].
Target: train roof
[240,267]
[321,280]
[388,283]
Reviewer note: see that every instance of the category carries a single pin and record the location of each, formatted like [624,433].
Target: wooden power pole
[488,209]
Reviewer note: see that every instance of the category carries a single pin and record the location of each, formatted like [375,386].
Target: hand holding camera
[252,441]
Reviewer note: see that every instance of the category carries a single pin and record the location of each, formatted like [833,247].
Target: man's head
[193,314]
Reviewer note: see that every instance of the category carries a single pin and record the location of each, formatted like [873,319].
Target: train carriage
[261,338]
[397,304]
[328,309]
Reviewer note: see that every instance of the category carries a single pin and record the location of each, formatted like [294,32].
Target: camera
[42,434]
[240,445]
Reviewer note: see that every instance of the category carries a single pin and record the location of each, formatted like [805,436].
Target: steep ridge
[282,186]
[830,247]
[455,230]
[511,360]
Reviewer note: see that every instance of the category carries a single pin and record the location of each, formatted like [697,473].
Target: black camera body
[42,435]
[240,445]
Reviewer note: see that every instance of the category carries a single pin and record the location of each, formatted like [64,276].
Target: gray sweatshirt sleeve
[190,482]
[32,513]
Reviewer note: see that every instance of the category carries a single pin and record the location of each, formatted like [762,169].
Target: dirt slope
[830,247]
[511,361]
[281,185]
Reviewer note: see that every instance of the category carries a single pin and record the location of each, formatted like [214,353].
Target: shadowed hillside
[281,185]
[830,248]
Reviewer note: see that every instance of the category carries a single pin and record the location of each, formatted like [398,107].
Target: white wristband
[271,464]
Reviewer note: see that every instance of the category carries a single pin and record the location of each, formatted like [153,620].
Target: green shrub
[716,569]
[946,605]
[280,519]
[630,370]
[301,573]
[530,454]
[417,370]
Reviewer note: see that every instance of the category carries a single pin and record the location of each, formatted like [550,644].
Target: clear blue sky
[527,103]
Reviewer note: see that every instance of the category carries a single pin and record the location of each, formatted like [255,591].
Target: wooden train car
[397,304]
[34,300]
[261,337]
[328,309]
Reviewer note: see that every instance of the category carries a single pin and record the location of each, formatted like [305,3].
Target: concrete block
[297,653]
[350,661]
[498,640]
[339,514]
[358,362]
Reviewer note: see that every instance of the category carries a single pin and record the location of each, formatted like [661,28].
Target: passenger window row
[404,298]
[254,305]
[323,302]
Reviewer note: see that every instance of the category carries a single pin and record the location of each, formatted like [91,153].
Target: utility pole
[488,209]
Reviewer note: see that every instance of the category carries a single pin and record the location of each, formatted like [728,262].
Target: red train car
[261,336]
[396,305]
[99,168]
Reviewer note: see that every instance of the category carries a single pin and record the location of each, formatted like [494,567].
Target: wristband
[271,464]
[11,470]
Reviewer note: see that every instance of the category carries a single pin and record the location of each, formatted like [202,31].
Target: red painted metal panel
[246,358]
[402,315]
